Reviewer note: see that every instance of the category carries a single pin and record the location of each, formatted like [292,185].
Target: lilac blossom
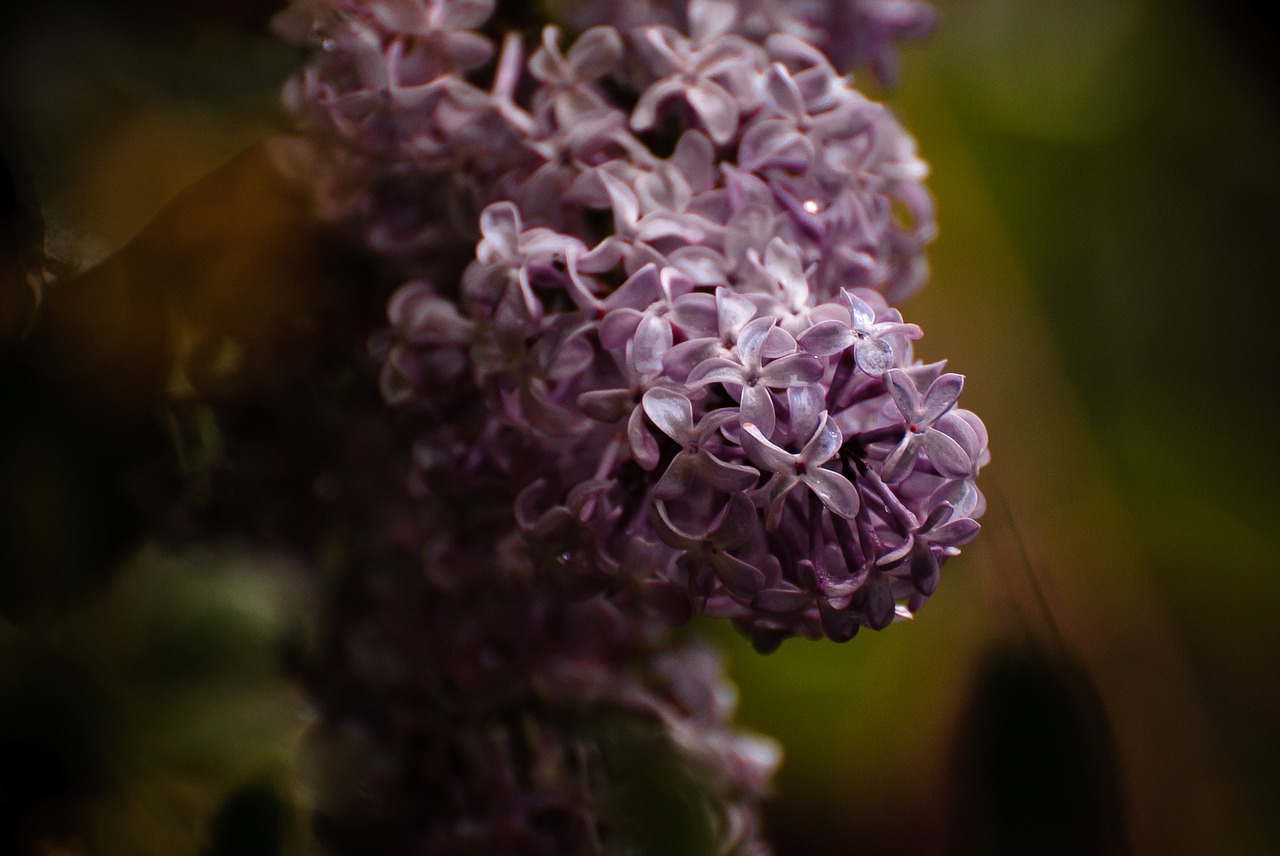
[729,336]
[672,412]
[706,69]
[788,470]
[747,373]
[568,89]
[680,376]
[710,549]
[921,412]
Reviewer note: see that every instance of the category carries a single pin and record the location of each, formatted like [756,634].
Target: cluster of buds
[652,275]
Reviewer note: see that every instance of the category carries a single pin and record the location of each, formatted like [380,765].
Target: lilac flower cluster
[726,411]
[650,322]
[725,402]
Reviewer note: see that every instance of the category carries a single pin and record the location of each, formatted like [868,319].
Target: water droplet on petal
[874,356]
[812,206]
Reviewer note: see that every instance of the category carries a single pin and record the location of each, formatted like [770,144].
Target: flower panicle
[653,273]
[701,348]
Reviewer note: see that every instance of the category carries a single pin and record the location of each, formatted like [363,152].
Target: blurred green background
[1105,656]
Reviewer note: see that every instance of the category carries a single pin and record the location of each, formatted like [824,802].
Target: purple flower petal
[773,143]
[671,412]
[879,607]
[595,53]
[946,455]
[723,475]
[640,289]
[757,407]
[643,447]
[902,459]
[824,444]
[734,312]
[618,327]
[675,481]
[826,338]
[840,625]
[668,532]
[807,405]
[695,157]
[680,361]
[764,453]
[717,109]
[897,554]
[626,208]
[941,397]
[793,370]
[835,491]
[716,370]
[782,260]
[661,224]
[783,93]
[500,226]
[874,356]
[904,393]
[736,524]
[606,405]
[924,570]
[741,579]
[710,18]
[956,533]
[653,338]
[702,264]
[469,50]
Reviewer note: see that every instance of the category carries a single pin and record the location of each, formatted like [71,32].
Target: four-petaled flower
[500,282]
[694,68]
[733,527]
[568,78]
[789,469]
[921,413]
[755,377]
[939,534]
[672,412]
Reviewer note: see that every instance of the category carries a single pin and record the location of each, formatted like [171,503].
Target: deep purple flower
[941,534]
[733,526]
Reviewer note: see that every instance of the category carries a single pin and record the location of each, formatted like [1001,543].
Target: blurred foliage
[157,719]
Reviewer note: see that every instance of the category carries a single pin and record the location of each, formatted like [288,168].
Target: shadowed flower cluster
[650,313]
